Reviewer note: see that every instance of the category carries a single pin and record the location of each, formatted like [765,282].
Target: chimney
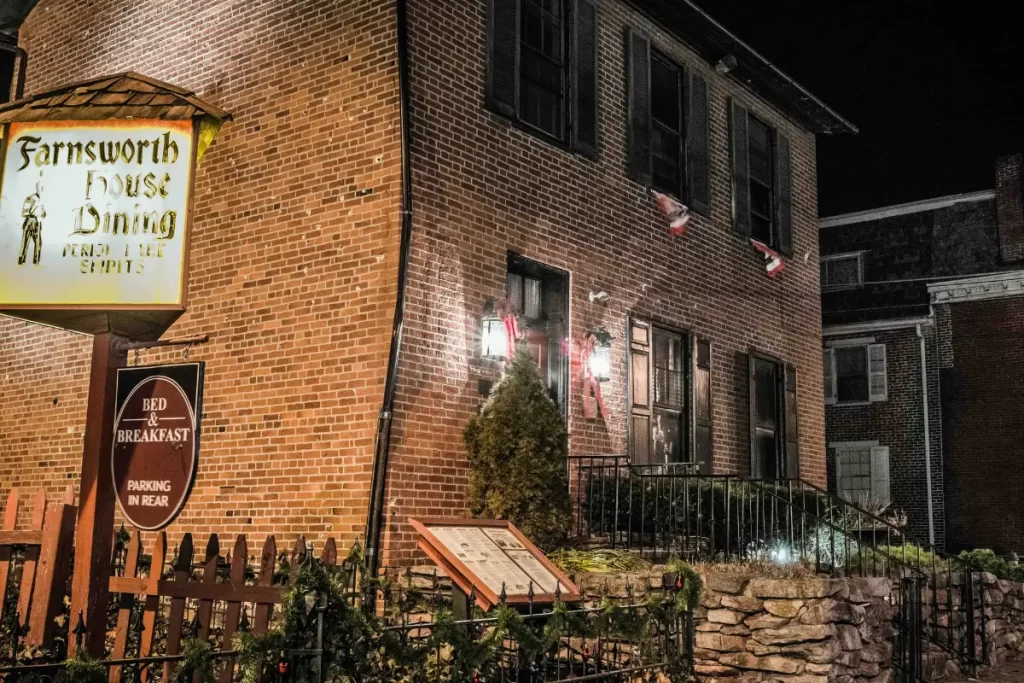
[1010,208]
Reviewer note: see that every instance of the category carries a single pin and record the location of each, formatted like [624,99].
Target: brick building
[921,308]
[534,131]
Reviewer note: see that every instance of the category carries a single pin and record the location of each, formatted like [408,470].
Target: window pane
[515,291]
[541,99]
[531,305]
[667,436]
[852,373]
[665,94]
[765,394]
[844,271]
[760,152]
[665,159]
[765,451]
[668,369]
[854,474]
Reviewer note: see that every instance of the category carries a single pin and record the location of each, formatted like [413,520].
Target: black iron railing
[663,512]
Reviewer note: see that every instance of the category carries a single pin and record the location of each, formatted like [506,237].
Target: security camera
[600,297]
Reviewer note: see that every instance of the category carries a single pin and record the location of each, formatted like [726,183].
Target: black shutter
[639,392]
[702,432]
[740,169]
[584,92]
[699,189]
[784,193]
[639,60]
[792,438]
[503,57]
[755,460]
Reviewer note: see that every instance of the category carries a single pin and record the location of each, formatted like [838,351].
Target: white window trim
[859,255]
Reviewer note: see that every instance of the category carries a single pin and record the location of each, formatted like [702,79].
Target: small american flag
[678,214]
[773,262]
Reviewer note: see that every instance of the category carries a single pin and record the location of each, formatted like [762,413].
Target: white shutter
[877,385]
[829,361]
[880,474]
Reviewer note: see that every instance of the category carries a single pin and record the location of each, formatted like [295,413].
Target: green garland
[84,669]
[196,659]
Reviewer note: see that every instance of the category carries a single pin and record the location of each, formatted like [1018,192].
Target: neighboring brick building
[924,301]
[533,146]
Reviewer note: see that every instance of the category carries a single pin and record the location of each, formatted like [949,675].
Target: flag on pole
[677,213]
[773,262]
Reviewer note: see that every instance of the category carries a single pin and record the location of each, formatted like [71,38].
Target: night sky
[934,92]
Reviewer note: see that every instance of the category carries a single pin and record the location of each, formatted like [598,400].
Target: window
[540,294]
[668,125]
[842,271]
[774,440]
[542,68]
[663,411]
[862,473]
[855,374]
[761,180]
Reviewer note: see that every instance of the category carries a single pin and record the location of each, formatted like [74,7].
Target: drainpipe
[375,513]
[927,438]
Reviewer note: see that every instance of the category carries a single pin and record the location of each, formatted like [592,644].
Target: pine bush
[517,449]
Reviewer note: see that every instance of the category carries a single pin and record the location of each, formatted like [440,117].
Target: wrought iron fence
[664,512]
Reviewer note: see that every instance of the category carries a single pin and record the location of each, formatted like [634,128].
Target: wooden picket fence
[46,562]
[203,590]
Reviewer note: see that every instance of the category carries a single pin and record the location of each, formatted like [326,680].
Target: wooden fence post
[52,569]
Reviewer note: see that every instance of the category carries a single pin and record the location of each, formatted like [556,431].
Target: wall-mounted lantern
[601,355]
[494,335]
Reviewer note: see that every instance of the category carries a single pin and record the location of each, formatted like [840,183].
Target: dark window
[773,423]
[852,374]
[660,397]
[761,200]
[542,67]
[6,74]
[540,294]
[761,180]
[839,272]
[666,126]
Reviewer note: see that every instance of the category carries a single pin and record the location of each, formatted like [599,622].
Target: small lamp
[493,337]
[601,355]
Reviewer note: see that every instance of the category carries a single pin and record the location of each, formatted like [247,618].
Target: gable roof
[712,41]
[125,95]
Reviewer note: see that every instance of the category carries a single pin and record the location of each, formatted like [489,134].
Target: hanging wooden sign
[156,441]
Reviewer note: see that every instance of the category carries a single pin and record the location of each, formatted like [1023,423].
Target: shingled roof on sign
[121,96]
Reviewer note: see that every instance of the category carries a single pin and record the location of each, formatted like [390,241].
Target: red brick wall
[294,254]
[1010,207]
[492,188]
[982,395]
[898,423]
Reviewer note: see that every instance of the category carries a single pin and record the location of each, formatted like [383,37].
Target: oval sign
[155,452]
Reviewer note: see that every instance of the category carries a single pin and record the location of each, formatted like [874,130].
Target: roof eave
[712,41]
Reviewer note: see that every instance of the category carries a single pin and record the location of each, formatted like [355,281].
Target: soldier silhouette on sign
[32,228]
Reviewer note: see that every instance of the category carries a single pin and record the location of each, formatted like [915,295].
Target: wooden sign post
[488,558]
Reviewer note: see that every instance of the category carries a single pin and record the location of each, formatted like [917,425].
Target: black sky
[935,89]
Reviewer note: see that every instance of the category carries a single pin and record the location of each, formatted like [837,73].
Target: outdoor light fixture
[600,357]
[493,338]
[726,64]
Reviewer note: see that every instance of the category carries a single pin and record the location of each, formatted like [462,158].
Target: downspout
[375,512]
[927,438]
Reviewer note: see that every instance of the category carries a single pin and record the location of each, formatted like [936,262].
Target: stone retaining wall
[809,630]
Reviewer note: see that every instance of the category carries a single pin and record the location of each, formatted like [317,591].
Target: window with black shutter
[774,437]
[668,125]
[762,184]
[669,397]
[542,68]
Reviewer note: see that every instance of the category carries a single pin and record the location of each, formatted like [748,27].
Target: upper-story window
[855,372]
[668,125]
[542,68]
[841,271]
[762,182]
